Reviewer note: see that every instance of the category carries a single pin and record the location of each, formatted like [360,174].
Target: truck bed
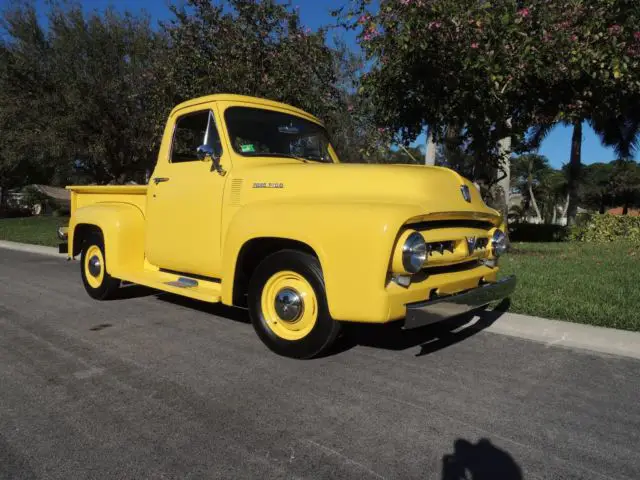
[83,195]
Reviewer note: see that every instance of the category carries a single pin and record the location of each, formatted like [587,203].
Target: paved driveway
[157,387]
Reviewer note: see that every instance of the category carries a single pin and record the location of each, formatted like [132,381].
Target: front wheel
[288,305]
[97,282]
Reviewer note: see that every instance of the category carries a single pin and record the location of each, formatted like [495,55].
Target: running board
[183,282]
[187,287]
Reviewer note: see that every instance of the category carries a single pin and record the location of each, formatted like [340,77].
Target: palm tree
[527,174]
[621,132]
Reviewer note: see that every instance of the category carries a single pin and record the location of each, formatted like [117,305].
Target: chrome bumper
[425,313]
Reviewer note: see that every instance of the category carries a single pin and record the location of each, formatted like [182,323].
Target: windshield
[255,132]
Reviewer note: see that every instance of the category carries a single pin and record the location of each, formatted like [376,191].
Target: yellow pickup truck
[249,205]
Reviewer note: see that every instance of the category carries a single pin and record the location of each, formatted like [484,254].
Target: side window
[191,131]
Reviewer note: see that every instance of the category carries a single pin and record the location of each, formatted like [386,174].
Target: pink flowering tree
[478,72]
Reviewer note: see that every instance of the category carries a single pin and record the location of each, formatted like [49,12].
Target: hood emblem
[466,194]
[471,244]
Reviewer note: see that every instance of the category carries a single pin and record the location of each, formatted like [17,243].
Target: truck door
[184,205]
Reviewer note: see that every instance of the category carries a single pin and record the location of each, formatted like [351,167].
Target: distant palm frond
[538,133]
[621,133]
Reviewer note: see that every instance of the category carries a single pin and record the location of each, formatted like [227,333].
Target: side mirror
[205,153]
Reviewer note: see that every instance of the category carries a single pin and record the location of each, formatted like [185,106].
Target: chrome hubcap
[94,266]
[289,305]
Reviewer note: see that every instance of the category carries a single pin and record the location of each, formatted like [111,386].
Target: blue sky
[315,13]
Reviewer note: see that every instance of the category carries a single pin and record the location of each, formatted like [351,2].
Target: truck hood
[432,189]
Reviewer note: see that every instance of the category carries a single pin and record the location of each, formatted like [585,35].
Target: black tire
[108,286]
[325,330]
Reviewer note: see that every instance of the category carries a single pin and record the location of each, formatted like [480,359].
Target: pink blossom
[474,45]
[307,31]
[524,12]
[615,29]
[434,25]
[371,33]
[381,129]
[363,19]
[349,108]
[405,2]
[636,35]
[574,38]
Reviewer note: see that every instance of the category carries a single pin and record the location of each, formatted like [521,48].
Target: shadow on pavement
[430,338]
[130,290]
[389,336]
[218,309]
[480,461]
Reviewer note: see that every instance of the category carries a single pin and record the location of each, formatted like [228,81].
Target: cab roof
[228,97]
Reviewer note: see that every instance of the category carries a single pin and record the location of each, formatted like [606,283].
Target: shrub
[608,228]
[532,232]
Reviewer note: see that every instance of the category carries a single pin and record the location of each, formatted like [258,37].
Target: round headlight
[499,243]
[414,253]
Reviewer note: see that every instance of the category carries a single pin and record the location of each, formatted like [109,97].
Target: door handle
[158,180]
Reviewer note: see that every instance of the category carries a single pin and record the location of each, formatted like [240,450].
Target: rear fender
[122,227]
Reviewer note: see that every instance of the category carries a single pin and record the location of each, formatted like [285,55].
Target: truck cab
[249,205]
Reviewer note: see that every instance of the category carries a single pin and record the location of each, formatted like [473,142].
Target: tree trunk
[531,195]
[574,172]
[535,204]
[625,208]
[565,209]
[555,214]
[505,184]
[430,149]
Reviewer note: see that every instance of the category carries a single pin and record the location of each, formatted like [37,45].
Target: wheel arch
[252,252]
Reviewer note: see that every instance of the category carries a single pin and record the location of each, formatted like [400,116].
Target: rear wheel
[288,305]
[97,282]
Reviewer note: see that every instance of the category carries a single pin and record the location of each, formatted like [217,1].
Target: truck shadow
[232,313]
[479,461]
[430,339]
[389,336]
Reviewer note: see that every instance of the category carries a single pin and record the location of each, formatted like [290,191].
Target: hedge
[608,228]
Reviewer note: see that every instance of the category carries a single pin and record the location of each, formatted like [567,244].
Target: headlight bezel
[410,254]
[498,243]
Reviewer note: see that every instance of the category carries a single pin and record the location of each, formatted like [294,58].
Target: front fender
[353,242]
[122,227]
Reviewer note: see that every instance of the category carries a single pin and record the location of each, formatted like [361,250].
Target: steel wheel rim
[94,266]
[298,319]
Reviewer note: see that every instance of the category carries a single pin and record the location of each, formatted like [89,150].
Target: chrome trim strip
[425,313]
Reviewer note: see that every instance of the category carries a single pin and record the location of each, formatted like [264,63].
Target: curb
[26,247]
[611,341]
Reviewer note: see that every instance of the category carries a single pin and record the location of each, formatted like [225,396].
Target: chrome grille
[441,247]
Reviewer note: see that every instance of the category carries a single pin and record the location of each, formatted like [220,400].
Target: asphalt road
[156,387]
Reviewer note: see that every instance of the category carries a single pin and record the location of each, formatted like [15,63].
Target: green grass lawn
[598,284]
[38,230]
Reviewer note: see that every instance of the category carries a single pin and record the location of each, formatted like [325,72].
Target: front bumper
[425,313]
